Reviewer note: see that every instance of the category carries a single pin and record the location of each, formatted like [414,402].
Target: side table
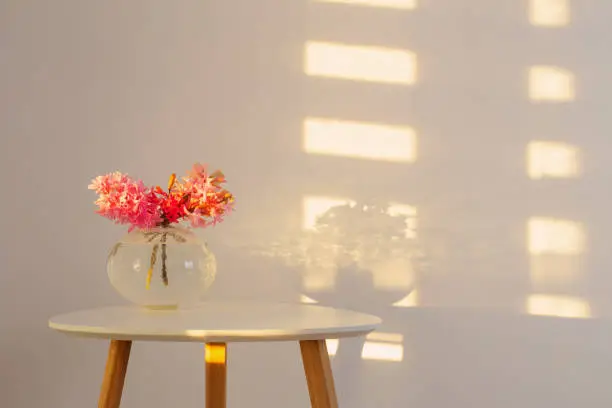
[215,325]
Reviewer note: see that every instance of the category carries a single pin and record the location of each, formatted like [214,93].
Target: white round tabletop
[217,322]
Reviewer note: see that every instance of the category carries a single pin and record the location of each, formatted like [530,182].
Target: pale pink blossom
[126,201]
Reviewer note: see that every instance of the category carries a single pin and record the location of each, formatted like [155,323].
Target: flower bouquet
[156,241]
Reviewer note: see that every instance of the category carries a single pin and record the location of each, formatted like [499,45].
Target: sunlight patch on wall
[549,13]
[383,347]
[559,306]
[555,236]
[395,4]
[410,300]
[552,160]
[360,63]
[315,206]
[332,346]
[307,300]
[359,140]
[410,213]
[319,278]
[551,84]
[391,273]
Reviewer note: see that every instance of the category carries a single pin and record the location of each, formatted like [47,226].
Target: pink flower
[199,199]
[126,201]
[207,201]
[146,214]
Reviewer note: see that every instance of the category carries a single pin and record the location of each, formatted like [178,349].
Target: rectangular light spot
[315,206]
[360,63]
[555,236]
[383,346]
[394,4]
[549,13]
[382,351]
[410,214]
[307,300]
[332,346]
[552,160]
[410,300]
[359,140]
[559,306]
[551,84]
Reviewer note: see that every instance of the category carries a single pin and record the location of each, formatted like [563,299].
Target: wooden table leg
[114,374]
[318,374]
[216,375]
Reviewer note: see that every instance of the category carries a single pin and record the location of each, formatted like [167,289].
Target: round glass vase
[161,268]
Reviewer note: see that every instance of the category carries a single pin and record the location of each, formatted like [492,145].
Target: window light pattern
[360,63]
[410,300]
[332,346]
[549,13]
[555,236]
[552,160]
[383,347]
[359,140]
[315,206]
[410,213]
[551,84]
[307,300]
[558,306]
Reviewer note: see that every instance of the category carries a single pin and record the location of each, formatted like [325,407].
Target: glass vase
[161,268]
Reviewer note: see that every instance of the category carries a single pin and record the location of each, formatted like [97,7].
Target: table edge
[233,336]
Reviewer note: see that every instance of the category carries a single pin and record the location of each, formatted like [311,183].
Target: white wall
[148,87]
